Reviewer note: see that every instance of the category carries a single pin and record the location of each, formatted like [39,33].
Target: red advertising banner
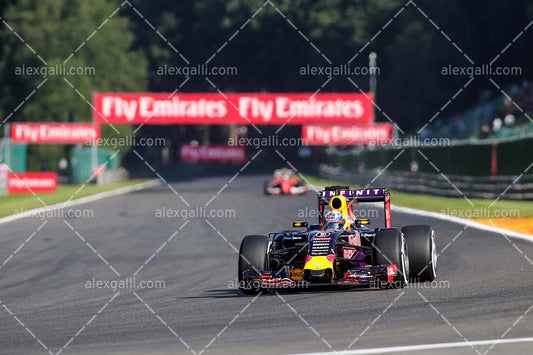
[378,133]
[26,183]
[212,153]
[214,108]
[54,133]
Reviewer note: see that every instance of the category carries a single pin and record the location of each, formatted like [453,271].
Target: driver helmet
[334,220]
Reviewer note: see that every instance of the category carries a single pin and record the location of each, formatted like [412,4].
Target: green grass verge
[458,207]
[10,204]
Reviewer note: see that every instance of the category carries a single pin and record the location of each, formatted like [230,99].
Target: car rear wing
[356,196]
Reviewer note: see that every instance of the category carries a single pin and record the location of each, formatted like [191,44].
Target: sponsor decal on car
[296,274]
[348,252]
[391,272]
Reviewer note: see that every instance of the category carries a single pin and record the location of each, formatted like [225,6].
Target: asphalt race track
[46,304]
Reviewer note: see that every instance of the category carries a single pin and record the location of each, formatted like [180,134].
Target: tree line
[127,44]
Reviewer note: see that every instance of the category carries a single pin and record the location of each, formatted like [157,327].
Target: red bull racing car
[339,250]
[285,182]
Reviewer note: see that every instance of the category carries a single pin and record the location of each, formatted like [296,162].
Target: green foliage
[267,51]
[411,51]
[55,29]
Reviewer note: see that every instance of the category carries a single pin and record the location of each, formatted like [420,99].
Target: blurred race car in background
[285,182]
[340,250]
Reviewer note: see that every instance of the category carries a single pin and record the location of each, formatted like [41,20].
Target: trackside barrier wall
[14,155]
[437,184]
[81,163]
[468,158]
[464,168]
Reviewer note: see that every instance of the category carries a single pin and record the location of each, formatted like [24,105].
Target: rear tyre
[390,248]
[252,256]
[266,185]
[422,252]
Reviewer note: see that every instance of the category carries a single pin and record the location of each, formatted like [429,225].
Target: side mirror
[300,224]
[363,221]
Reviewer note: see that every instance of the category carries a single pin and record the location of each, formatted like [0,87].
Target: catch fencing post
[494,159]
[94,148]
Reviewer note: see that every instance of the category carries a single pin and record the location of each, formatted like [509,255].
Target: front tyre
[422,252]
[390,248]
[253,255]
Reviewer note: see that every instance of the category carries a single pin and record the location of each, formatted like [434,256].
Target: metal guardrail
[518,187]
[111,176]
[507,157]
[3,185]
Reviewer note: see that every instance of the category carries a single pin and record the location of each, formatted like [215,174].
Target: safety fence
[508,156]
[476,169]
[506,187]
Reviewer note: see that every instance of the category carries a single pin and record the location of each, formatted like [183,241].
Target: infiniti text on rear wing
[363,195]
[356,196]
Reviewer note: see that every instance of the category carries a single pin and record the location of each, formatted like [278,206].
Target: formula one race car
[340,250]
[285,182]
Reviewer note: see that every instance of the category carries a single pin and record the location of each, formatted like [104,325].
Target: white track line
[91,198]
[458,220]
[397,349]
[148,184]
[462,221]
